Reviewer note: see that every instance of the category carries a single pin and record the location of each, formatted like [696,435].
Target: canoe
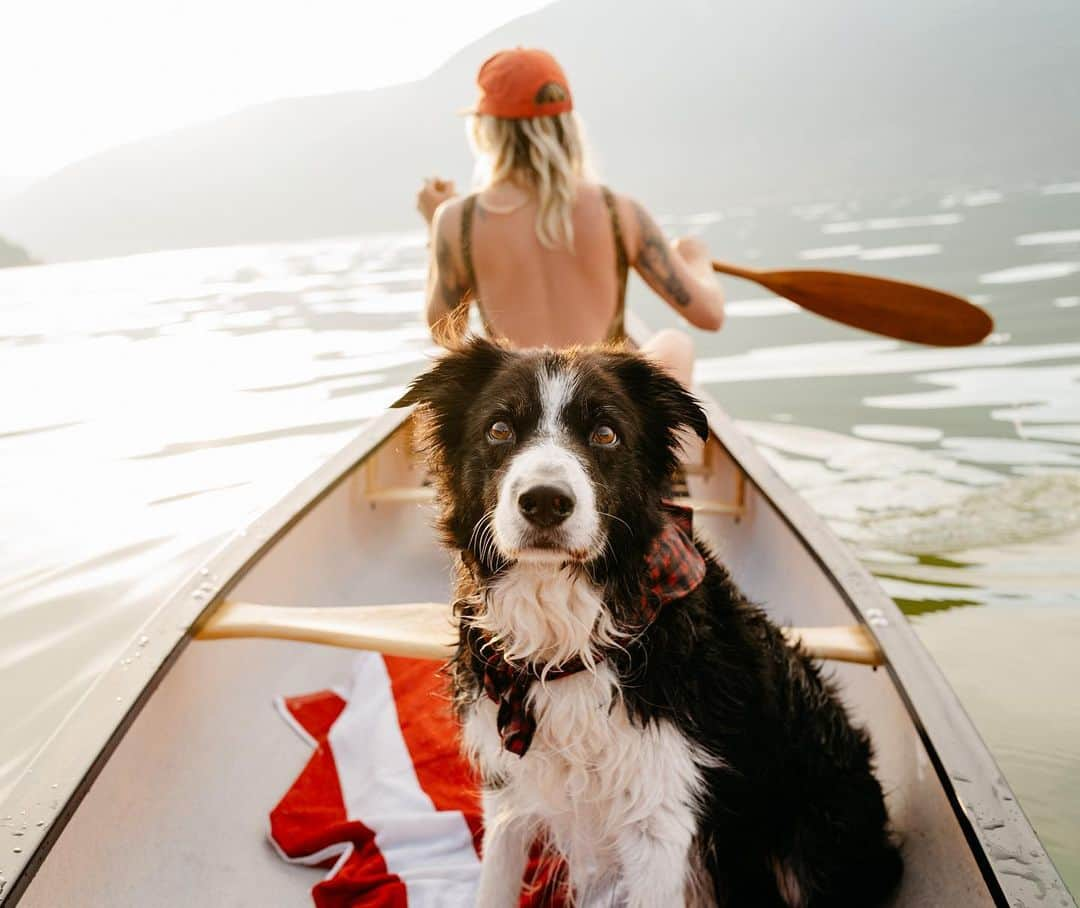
[155,790]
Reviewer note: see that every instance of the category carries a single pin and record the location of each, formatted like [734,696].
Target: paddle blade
[880,305]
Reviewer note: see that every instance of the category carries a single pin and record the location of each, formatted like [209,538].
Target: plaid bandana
[674,568]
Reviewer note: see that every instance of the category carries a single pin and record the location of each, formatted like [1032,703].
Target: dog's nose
[546,506]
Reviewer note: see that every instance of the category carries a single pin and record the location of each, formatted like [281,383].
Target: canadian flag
[386,801]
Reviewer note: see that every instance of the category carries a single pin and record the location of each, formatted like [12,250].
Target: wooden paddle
[426,630]
[892,308]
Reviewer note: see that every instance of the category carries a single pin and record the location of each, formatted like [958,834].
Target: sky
[77,77]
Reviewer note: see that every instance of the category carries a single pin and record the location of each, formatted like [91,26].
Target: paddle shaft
[877,304]
[748,274]
[427,630]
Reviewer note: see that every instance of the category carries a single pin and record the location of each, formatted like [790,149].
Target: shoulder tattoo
[450,288]
[655,262]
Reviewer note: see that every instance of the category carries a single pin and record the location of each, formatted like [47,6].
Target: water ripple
[1022,274]
[1049,238]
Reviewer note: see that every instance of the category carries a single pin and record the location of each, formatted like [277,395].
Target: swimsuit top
[617,330]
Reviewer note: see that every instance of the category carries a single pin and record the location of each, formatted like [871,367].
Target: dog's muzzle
[546,506]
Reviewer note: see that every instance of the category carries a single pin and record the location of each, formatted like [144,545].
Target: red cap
[522,83]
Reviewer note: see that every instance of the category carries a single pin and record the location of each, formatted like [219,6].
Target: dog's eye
[604,437]
[500,432]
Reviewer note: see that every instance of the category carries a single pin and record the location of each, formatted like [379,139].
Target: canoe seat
[426,494]
[426,630]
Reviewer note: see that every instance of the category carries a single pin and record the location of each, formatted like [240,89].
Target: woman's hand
[696,255]
[690,249]
[432,194]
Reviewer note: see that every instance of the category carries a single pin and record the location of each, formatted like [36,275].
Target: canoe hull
[174,806]
[178,765]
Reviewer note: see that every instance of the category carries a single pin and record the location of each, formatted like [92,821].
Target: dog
[623,702]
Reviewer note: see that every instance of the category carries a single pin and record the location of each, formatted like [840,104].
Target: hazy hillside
[12,255]
[691,104]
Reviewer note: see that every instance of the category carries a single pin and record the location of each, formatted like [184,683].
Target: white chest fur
[616,798]
[544,613]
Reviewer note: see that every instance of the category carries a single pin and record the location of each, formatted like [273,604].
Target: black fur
[797,786]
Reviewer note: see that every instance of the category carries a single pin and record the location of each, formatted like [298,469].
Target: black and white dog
[624,703]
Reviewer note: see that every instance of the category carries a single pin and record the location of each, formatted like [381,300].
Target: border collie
[624,704]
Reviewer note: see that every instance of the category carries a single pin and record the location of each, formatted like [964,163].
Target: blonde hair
[547,154]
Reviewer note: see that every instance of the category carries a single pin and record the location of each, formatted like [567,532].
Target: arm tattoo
[654,260]
[450,289]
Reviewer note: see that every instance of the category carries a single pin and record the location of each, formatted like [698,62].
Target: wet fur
[726,727]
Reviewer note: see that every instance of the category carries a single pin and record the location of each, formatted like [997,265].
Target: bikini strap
[617,331]
[467,211]
[472,291]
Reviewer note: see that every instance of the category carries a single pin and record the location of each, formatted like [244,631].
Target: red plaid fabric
[674,568]
[508,685]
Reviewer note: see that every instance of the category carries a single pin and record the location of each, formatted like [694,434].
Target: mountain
[12,255]
[692,104]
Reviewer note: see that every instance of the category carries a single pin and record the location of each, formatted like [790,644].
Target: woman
[542,248]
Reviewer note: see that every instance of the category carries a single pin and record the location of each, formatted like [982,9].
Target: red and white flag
[386,801]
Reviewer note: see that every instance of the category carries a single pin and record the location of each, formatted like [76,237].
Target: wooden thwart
[426,494]
[373,491]
[426,630]
[839,643]
[405,494]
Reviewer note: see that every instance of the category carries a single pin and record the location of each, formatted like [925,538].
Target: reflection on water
[898,223]
[152,404]
[1043,271]
[874,254]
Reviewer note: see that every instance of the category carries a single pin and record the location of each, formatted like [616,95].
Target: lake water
[153,404]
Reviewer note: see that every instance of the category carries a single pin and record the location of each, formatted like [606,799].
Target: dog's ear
[663,394]
[456,376]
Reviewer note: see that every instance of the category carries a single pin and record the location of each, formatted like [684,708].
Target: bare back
[535,296]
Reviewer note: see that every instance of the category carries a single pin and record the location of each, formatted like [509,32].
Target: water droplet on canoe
[205,572]
[18,833]
[40,823]
[143,640]
[16,851]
